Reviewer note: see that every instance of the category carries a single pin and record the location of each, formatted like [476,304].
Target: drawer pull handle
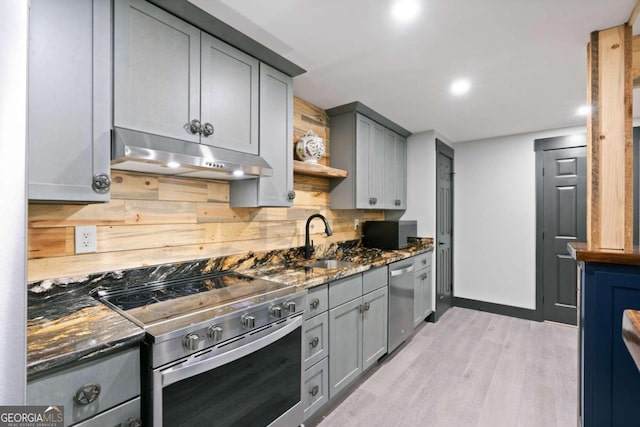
[314,342]
[87,394]
[314,390]
[131,422]
[315,303]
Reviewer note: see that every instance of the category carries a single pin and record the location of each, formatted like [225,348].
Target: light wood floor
[471,369]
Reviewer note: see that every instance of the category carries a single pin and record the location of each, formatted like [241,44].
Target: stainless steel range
[222,349]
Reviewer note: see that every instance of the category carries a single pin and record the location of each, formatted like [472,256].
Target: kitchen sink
[330,264]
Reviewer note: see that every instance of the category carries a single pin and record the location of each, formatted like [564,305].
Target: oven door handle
[179,372]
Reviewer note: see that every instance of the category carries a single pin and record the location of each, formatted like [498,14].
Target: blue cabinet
[609,381]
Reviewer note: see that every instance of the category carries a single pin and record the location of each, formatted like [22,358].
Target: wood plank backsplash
[155,219]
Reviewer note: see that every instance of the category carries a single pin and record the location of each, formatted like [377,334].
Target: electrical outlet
[86,239]
[356,224]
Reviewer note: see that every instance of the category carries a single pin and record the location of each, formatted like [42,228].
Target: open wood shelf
[313,169]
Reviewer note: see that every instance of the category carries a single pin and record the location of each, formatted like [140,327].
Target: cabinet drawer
[317,301]
[316,339]
[374,279]
[422,261]
[117,375]
[117,417]
[316,387]
[345,290]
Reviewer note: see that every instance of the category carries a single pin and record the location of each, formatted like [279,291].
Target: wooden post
[609,140]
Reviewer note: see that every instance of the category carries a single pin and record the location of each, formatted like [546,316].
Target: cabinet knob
[101,183]
[424,276]
[131,422]
[314,342]
[195,127]
[367,306]
[208,130]
[373,200]
[314,390]
[315,303]
[87,393]
[291,195]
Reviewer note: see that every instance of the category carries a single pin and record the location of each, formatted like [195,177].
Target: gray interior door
[564,221]
[444,232]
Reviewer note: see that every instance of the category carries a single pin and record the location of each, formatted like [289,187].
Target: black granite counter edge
[52,364]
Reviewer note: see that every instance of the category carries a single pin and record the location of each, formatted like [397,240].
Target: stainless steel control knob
[248,322]
[290,306]
[215,333]
[190,341]
[275,311]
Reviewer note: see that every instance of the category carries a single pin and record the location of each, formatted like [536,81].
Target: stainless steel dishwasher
[401,294]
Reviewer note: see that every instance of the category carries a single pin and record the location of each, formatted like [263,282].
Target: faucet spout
[308,244]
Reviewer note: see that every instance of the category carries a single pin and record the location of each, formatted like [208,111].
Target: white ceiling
[526,59]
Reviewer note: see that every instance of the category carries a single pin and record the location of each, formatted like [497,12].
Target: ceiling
[526,60]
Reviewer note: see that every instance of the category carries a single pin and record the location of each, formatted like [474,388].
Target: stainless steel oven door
[253,380]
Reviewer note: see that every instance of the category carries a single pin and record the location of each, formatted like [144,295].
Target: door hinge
[542,171]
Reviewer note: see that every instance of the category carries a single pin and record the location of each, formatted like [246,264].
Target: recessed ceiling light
[173,165]
[583,110]
[405,10]
[460,87]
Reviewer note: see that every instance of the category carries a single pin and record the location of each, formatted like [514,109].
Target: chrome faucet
[308,244]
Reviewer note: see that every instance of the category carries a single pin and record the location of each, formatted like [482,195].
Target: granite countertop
[586,253]
[65,327]
[631,333]
[295,273]
[65,324]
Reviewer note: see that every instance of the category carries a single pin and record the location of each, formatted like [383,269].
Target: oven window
[252,391]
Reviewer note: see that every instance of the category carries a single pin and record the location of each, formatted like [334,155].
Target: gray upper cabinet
[229,96]
[69,100]
[156,71]
[173,80]
[276,146]
[373,150]
[399,200]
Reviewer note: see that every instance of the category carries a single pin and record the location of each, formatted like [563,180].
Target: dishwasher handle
[401,271]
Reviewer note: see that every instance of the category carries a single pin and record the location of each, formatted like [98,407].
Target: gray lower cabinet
[374,326]
[316,339]
[423,288]
[168,73]
[316,388]
[276,145]
[357,327]
[109,387]
[345,345]
[69,105]
[375,157]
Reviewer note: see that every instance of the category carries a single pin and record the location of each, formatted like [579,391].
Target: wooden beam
[635,61]
[609,142]
[634,13]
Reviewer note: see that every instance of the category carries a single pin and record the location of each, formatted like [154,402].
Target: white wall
[495,218]
[13,103]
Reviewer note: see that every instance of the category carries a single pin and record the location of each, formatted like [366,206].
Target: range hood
[144,152]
